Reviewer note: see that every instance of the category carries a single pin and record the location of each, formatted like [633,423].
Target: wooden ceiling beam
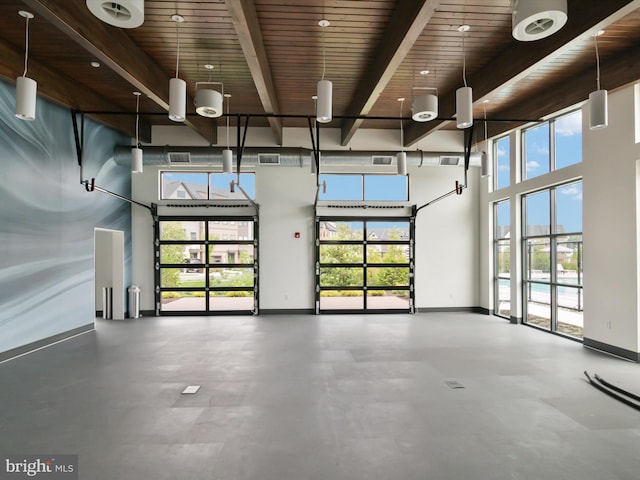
[405,27]
[617,72]
[245,21]
[522,58]
[115,50]
[66,92]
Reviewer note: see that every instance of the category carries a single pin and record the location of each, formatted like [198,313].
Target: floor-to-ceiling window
[502,258]
[548,228]
[552,247]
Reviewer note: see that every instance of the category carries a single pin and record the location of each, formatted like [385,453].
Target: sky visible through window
[567,131]
[218,180]
[358,187]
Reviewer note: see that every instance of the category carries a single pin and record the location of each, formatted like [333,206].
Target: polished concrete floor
[326,397]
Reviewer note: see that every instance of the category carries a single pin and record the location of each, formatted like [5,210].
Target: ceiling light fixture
[464,95]
[26,88]
[209,102]
[325,87]
[537,19]
[136,152]
[95,64]
[177,86]
[598,100]
[401,157]
[227,154]
[485,158]
[424,108]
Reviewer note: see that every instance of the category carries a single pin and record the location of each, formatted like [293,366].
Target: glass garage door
[206,265]
[364,265]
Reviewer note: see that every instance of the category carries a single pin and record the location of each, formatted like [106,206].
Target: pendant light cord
[228,100]
[137,118]
[484,108]
[178,46]
[401,127]
[324,51]
[597,63]
[464,63]
[26,50]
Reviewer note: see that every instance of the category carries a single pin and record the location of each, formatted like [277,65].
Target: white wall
[610,191]
[446,233]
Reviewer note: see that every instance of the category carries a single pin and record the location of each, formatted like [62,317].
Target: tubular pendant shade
[208,103]
[227,161]
[424,108]
[401,160]
[598,110]
[26,93]
[464,107]
[485,164]
[323,106]
[177,99]
[136,160]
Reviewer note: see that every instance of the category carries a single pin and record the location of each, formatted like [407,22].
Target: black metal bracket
[459,186]
[90,185]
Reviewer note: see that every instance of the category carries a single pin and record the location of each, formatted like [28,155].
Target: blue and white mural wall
[47,220]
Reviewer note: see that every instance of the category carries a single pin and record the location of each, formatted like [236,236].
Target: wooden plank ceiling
[269,54]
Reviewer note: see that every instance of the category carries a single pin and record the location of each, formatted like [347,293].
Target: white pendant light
[401,157]
[424,108]
[177,86]
[324,90]
[464,95]
[464,107]
[136,152]
[136,160]
[26,88]
[227,154]
[485,158]
[598,100]
[227,161]
[208,102]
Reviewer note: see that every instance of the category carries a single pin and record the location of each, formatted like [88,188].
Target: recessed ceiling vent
[122,14]
[381,160]
[179,158]
[449,161]
[268,159]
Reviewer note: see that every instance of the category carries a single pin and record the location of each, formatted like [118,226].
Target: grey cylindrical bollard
[134,301]
[107,303]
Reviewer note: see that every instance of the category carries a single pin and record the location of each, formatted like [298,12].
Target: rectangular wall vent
[179,157]
[449,160]
[381,160]
[268,159]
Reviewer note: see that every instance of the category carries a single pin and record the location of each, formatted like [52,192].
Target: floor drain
[191,390]
[454,384]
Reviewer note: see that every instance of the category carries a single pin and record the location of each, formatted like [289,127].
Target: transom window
[552,145]
[365,187]
[205,186]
